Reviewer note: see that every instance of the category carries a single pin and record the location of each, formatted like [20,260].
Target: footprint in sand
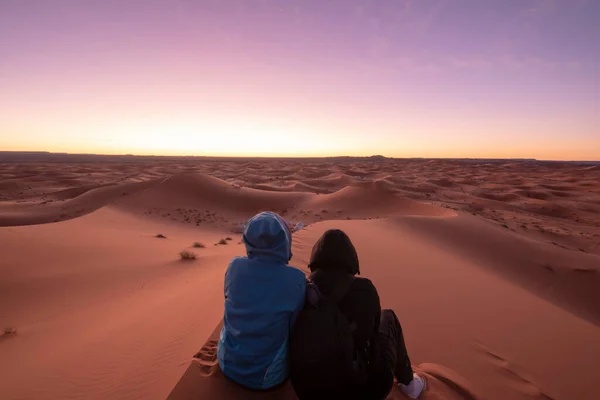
[203,379]
[515,376]
[442,384]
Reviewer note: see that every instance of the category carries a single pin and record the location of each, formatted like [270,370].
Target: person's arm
[298,301]
[367,312]
[376,307]
[226,281]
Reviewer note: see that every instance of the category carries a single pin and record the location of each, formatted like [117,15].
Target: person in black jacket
[378,338]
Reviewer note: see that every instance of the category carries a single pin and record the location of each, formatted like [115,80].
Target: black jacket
[333,260]
[360,305]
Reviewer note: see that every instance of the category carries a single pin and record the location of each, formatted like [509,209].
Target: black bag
[322,354]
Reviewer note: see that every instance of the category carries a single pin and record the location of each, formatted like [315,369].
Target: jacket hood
[334,252]
[267,237]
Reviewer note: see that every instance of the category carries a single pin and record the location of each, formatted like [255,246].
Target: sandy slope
[103,308]
[506,341]
[493,269]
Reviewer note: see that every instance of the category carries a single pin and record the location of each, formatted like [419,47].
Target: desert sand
[492,266]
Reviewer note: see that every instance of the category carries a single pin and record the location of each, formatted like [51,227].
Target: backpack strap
[341,288]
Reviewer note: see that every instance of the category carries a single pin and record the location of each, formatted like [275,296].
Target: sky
[400,78]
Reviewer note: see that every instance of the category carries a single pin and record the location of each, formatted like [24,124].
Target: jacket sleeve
[227,280]
[367,314]
[298,301]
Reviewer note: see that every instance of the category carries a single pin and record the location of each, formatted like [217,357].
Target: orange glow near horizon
[235,79]
[242,135]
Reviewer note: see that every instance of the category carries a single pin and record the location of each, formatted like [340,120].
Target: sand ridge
[521,194]
[493,268]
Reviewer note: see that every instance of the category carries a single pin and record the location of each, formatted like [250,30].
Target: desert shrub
[187,255]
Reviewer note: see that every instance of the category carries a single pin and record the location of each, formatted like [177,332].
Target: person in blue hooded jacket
[263,296]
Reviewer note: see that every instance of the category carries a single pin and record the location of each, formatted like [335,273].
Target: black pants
[393,361]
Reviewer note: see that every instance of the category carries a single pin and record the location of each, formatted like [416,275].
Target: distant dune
[492,265]
[46,156]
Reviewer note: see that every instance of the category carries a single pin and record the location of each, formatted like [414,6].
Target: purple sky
[433,78]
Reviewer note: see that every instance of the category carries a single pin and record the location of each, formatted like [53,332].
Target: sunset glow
[402,78]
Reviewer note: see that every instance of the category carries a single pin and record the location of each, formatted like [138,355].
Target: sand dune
[569,279]
[203,379]
[70,203]
[493,269]
[203,191]
[373,201]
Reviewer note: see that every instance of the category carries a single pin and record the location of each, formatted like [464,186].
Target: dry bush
[187,255]
[199,245]
[160,236]
[222,241]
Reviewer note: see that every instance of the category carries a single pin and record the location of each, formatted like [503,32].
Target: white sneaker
[415,387]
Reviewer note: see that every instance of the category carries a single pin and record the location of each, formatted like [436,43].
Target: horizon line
[375,156]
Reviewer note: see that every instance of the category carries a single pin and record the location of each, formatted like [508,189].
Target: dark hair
[334,251]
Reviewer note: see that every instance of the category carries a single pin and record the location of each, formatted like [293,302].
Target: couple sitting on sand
[340,344]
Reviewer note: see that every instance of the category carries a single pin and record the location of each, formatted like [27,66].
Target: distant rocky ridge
[41,156]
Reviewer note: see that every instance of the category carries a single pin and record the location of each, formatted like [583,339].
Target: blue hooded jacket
[263,296]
